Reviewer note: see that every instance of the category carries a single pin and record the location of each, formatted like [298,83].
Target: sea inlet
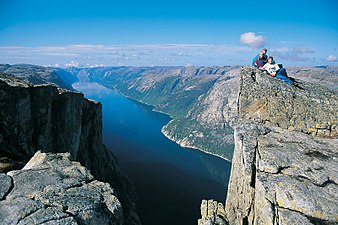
[170,180]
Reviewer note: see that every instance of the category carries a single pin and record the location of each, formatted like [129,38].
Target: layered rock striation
[51,189]
[34,117]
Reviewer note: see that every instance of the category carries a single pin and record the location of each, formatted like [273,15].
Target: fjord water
[170,180]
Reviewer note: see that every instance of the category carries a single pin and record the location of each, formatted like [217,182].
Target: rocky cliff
[40,75]
[284,168]
[51,189]
[34,117]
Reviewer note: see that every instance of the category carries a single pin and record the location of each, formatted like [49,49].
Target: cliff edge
[284,168]
[56,120]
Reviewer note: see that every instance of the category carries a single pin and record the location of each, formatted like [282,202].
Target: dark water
[170,180]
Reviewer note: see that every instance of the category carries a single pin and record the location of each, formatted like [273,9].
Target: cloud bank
[85,55]
[126,55]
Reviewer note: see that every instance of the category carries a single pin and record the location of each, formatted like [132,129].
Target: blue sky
[172,32]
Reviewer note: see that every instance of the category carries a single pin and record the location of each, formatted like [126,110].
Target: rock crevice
[52,189]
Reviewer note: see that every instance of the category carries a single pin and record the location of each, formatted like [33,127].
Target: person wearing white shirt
[274,70]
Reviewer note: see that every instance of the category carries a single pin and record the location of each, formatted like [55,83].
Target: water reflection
[170,180]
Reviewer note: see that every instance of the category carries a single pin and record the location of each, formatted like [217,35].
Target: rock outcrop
[212,212]
[282,177]
[284,168]
[51,189]
[40,75]
[310,108]
[34,117]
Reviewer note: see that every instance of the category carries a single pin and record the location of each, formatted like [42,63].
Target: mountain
[56,120]
[199,99]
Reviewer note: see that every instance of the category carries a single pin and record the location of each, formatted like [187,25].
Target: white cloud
[332,58]
[252,40]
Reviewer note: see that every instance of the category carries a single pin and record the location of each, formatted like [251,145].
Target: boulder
[52,189]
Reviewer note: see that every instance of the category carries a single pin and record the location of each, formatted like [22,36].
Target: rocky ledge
[34,117]
[51,189]
[285,165]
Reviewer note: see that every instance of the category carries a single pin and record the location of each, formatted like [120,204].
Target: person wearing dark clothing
[260,59]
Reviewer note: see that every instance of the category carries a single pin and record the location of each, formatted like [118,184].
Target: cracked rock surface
[212,212]
[51,189]
[285,163]
[281,177]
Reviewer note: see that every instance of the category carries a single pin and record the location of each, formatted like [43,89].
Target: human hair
[270,57]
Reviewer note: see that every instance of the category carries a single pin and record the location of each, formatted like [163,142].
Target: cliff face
[51,189]
[35,117]
[280,173]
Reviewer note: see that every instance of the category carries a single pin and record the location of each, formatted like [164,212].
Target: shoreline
[192,147]
[162,129]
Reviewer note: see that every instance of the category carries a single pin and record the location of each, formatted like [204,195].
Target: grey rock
[6,185]
[326,76]
[282,170]
[34,117]
[281,175]
[53,189]
[308,108]
[38,74]
[212,212]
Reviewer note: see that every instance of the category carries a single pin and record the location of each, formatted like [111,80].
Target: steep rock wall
[280,173]
[35,117]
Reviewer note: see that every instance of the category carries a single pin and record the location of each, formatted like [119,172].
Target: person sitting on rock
[272,69]
[260,59]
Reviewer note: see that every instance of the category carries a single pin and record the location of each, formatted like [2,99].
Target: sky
[176,32]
